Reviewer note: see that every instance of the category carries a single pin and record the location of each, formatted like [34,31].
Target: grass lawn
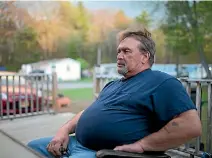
[82,94]
[204,117]
[83,80]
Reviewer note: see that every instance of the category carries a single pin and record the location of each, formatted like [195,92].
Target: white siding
[66,69]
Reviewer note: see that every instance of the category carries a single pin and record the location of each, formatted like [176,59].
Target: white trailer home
[67,69]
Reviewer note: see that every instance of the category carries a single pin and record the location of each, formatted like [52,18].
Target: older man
[146,110]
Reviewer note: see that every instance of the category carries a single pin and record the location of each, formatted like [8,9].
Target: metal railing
[202,98]
[27,95]
[200,93]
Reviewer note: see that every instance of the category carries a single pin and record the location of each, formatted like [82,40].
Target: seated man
[146,110]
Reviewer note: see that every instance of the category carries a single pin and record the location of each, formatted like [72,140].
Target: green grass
[204,115]
[81,94]
[204,124]
[83,80]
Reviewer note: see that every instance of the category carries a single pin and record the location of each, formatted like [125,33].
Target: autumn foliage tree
[188,29]
[59,29]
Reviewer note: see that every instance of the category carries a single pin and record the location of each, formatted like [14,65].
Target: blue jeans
[76,150]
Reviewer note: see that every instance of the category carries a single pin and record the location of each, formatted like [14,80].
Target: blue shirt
[128,110]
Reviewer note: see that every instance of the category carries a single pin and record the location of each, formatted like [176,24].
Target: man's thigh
[83,154]
[79,151]
[40,145]
[76,150]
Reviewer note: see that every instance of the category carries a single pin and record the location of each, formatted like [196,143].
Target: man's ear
[145,58]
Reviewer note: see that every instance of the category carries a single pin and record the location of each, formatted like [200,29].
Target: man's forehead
[128,43]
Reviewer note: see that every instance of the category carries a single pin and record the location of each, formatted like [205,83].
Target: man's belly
[106,128]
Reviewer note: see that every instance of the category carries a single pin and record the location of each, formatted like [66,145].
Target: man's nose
[120,56]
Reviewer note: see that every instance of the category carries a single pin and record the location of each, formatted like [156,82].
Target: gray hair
[144,37]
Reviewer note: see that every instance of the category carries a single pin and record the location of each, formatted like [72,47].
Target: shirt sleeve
[171,99]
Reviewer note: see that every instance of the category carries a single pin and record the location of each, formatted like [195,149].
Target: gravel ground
[76,107]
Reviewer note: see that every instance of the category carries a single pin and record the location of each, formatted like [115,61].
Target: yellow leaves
[67,13]
[55,28]
[159,37]
[121,20]
[103,22]
[50,32]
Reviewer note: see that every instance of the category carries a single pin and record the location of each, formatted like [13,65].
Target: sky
[131,8]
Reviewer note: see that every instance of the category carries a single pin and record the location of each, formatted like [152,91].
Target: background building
[67,69]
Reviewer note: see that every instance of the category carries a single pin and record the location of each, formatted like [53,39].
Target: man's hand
[135,148]
[60,139]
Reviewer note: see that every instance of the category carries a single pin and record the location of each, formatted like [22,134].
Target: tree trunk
[177,63]
[199,44]
[204,62]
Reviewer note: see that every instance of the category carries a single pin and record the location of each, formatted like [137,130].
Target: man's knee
[34,144]
[39,143]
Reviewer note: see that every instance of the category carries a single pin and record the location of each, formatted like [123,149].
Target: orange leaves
[121,20]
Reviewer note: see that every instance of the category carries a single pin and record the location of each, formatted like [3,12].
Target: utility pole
[99,54]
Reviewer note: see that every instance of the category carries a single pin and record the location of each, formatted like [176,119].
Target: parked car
[39,75]
[18,94]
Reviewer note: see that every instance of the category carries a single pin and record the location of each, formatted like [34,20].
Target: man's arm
[70,126]
[177,132]
[174,106]
[176,116]
[62,136]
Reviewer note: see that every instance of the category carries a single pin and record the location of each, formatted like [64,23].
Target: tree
[186,28]
[159,37]
[84,63]
[121,20]
[7,31]
[16,40]
[144,19]
[26,45]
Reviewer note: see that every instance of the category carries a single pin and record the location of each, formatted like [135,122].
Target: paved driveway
[26,129]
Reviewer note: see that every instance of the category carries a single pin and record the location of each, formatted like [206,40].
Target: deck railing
[27,95]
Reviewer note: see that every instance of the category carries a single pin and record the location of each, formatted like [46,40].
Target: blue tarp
[2,68]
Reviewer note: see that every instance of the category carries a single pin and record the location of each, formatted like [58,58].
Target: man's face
[129,58]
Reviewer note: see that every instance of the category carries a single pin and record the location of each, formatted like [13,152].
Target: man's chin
[122,72]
